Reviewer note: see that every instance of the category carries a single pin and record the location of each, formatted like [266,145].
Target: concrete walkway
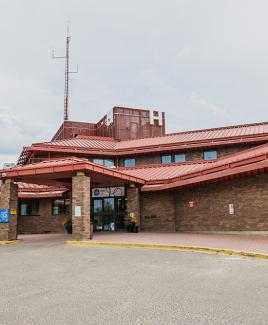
[254,243]
[237,242]
[44,239]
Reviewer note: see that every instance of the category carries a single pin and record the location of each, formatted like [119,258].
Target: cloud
[134,53]
[204,105]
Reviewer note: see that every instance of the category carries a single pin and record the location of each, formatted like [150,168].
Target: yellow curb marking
[8,242]
[171,247]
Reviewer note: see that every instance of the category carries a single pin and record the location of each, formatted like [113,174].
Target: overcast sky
[205,63]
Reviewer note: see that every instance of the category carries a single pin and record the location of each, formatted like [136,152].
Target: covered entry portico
[76,174]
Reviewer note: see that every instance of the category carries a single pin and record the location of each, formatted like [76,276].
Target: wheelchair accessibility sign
[4,215]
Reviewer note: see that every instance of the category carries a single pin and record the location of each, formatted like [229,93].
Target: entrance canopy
[59,172]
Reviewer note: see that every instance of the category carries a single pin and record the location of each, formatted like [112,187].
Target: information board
[4,215]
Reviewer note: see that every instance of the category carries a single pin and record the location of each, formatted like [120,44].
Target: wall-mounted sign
[4,215]
[13,211]
[77,211]
[108,191]
[191,204]
[231,209]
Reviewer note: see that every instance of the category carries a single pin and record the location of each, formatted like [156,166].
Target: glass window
[60,206]
[129,162]
[108,162]
[210,154]
[180,157]
[98,161]
[29,207]
[166,159]
[104,162]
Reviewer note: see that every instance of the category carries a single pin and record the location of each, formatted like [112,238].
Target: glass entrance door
[108,216]
[109,213]
[97,214]
[120,209]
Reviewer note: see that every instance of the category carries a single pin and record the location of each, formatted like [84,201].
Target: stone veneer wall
[9,200]
[169,211]
[81,198]
[133,202]
[45,222]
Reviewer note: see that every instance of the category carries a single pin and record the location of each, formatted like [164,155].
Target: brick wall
[147,160]
[249,196]
[169,211]
[45,222]
[157,211]
[223,151]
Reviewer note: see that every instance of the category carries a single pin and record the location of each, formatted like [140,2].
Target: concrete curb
[171,247]
[9,242]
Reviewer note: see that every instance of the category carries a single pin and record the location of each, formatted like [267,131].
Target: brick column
[133,202]
[81,207]
[9,200]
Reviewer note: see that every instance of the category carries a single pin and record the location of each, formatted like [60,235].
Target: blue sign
[4,215]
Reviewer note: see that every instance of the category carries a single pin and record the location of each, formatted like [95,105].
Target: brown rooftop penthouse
[121,123]
[126,164]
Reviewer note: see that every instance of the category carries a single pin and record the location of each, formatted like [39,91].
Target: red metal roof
[238,163]
[161,173]
[65,167]
[199,135]
[40,195]
[157,177]
[26,190]
[87,142]
[248,133]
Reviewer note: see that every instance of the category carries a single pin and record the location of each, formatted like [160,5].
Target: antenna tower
[66,74]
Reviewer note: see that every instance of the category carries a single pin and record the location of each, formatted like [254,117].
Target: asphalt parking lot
[52,283]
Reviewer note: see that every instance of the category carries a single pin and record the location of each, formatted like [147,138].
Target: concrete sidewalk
[249,243]
[236,242]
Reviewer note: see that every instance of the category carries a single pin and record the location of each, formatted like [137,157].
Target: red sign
[191,204]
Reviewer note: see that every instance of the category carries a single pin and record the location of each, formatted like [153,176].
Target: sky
[205,63]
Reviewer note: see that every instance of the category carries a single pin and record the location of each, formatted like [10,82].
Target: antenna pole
[66,81]
[66,74]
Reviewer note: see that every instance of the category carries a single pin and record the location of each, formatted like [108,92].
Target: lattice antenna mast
[66,74]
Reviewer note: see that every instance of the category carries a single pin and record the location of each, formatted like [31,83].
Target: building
[203,180]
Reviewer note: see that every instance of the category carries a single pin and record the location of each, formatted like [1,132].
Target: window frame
[129,159]
[29,207]
[210,151]
[173,157]
[102,161]
[180,154]
[166,155]
[65,211]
